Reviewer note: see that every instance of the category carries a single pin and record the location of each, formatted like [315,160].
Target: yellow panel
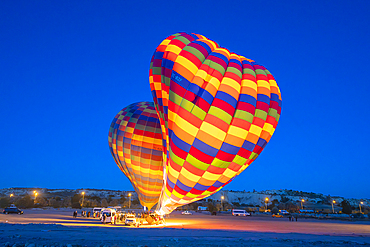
[187,64]
[186,126]
[202,74]
[165,42]
[173,48]
[249,83]
[213,130]
[255,130]
[192,177]
[229,173]
[172,171]
[238,132]
[269,128]
[263,83]
[232,83]
[210,176]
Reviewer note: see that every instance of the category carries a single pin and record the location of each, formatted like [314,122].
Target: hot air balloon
[217,110]
[135,141]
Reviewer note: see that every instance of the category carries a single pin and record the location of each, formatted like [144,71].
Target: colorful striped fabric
[135,141]
[217,111]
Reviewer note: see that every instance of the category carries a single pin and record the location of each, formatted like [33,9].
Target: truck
[200,208]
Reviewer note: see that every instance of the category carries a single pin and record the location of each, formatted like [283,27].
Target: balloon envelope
[217,110]
[135,141]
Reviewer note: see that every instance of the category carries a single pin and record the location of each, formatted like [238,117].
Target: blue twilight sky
[68,67]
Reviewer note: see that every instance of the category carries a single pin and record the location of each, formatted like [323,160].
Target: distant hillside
[242,198]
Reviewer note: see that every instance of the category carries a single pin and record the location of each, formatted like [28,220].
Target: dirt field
[59,228]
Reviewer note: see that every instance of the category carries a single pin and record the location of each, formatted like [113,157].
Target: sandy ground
[59,228]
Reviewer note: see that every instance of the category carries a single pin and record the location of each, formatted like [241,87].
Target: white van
[240,212]
[108,215]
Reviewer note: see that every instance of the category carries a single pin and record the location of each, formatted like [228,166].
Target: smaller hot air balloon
[135,141]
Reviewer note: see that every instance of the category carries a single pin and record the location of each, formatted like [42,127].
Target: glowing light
[266,199]
[302,200]
[83,193]
[11,195]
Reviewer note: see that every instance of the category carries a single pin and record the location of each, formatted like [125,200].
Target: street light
[222,208]
[83,197]
[301,203]
[266,203]
[129,201]
[35,196]
[332,205]
[360,206]
[11,195]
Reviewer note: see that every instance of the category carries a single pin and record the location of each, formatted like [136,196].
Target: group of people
[291,218]
[84,214]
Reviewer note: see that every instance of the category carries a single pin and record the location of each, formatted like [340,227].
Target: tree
[114,202]
[76,198]
[76,205]
[66,202]
[211,207]
[346,207]
[274,210]
[4,202]
[24,202]
[104,203]
[54,203]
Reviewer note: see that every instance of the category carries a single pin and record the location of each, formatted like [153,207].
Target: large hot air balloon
[217,110]
[135,141]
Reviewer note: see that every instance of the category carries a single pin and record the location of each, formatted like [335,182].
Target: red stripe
[200,155]
[221,155]
[223,105]
[246,107]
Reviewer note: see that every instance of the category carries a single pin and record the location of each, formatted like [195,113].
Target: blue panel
[204,94]
[158,55]
[215,54]
[193,35]
[230,149]
[261,142]
[217,184]
[248,145]
[263,98]
[247,62]
[167,63]
[235,61]
[200,187]
[143,117]
[204,45]
[172,185]
[153,119]
[183,186]
[205,148]
[248,99]
[227,98]
[180,80]
[180,143]
[275,97]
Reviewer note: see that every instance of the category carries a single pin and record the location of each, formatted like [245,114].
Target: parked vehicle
[130,220]
[200,208]
[282,211]
[277,215]
[186,212]
[240,212]
[108,215]
[12,210]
